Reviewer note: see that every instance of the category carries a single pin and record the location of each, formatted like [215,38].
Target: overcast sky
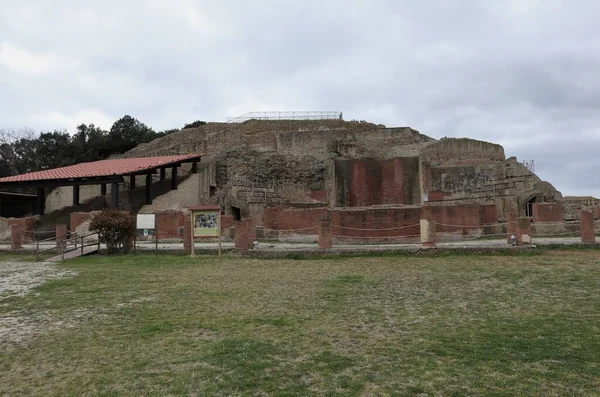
[522,73]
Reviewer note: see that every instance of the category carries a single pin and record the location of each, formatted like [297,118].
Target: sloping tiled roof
[102,168]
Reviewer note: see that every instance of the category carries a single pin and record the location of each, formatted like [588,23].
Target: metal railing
[302,115]
[62,247]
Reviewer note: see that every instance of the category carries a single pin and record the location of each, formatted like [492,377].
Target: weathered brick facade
[244,234]
[547,212]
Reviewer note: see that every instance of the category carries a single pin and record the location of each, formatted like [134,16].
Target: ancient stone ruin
[375,183]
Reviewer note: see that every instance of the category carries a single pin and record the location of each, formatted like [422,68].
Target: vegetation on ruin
[167,325]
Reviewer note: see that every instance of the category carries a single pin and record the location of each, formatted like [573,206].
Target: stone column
[16,237]
[244,236]
[61,234]
[428,232]
[325,232]
[586,226]
[187,234]
[524,231]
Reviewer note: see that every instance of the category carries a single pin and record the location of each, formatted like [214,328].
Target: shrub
[115,229]
[195,124]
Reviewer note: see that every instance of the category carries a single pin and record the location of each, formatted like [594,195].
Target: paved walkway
[282,246]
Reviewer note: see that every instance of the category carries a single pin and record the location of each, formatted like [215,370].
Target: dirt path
[18,279]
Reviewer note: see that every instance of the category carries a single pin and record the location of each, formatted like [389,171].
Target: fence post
[62,251]
[81,245]
[37,251]
[428,231]
[325,232]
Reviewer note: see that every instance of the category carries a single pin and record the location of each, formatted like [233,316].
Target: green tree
[128,132]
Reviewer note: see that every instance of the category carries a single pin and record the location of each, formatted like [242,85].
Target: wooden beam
[103,189]
[132,182]
[114,196]
[148,189]
[76,195]
[174,178]
[163,173]
[52,183]
[41,201]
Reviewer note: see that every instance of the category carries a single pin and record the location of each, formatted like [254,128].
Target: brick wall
[361,183]
[319,195]
[461,218]
[78,218]
[489,214]
[352,224]
[436,195]
[293,219]
[365,224]
[170,224]
[227,222]
[547,212]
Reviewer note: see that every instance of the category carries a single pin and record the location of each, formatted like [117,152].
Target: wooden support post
[163,174]
[132,182]
[103,189]
[174,178]
[40,201]
[148,189]
[194,167]
[114,196]
[76,195]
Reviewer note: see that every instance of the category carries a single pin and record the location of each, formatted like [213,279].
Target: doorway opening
[529,207]
[237,213]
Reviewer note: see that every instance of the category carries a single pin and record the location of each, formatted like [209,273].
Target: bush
[115,229]
[195,124]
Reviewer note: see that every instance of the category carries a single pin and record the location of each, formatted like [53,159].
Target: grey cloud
[520,73]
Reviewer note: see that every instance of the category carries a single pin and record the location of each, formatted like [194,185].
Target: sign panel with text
[206,223]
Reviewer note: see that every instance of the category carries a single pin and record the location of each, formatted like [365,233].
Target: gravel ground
[18,279]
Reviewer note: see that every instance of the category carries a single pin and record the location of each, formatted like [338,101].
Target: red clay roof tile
[102,168]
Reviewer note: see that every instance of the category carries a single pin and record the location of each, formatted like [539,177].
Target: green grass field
[448,326]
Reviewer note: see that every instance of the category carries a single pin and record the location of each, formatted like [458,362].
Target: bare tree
[10,160]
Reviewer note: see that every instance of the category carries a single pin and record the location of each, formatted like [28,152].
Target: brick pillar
[187,234]
[16,237]
[61,234]
[244,236]
[586,226]
[27,231]
[524,231]
[511,224]
[325,232]
[428,232]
